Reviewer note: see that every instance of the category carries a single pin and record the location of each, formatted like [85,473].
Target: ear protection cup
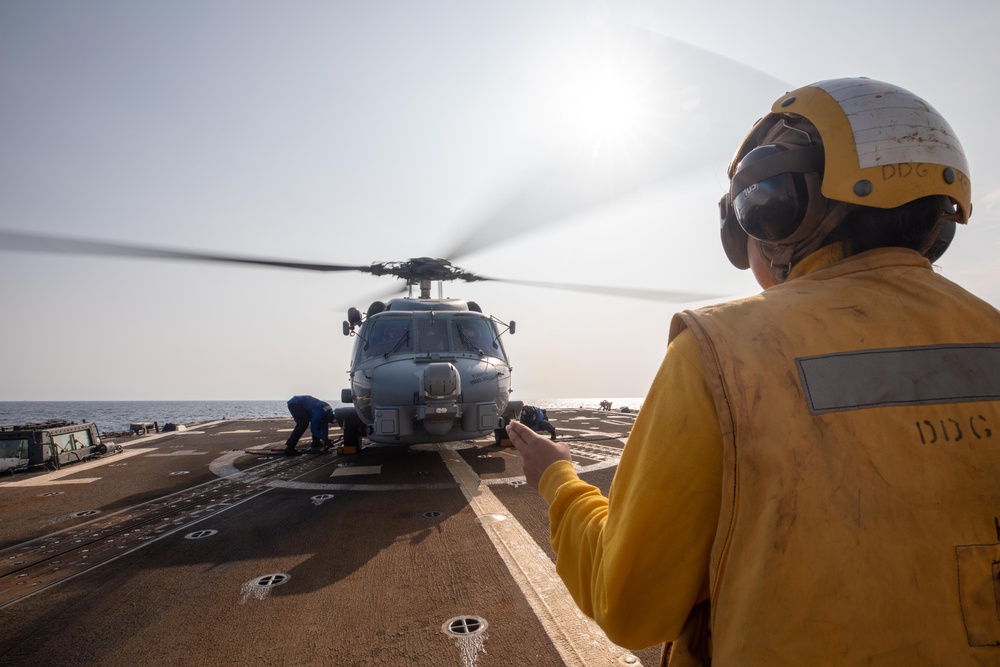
[769,209]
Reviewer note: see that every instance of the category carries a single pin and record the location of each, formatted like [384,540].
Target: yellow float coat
[853,518]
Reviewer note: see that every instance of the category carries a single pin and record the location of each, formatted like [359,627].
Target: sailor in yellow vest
[814,476]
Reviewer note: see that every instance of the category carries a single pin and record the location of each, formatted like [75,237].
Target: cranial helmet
[849,141]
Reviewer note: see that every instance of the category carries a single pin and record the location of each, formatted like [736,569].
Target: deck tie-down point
[260,587]
[469,633]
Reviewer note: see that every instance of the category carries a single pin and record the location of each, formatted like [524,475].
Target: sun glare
[605,103]
[606,90]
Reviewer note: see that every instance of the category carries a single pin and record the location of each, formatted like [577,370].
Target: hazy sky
[352,132]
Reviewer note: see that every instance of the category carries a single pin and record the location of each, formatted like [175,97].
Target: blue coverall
[309,412]
[537,420]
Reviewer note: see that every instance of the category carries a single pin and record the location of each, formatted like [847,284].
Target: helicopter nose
[441,387]
[440,381]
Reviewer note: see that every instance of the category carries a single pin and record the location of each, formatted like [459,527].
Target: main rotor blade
[693,118]
[25,242]
[669,296]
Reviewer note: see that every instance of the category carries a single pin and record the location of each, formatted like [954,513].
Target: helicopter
[425,369]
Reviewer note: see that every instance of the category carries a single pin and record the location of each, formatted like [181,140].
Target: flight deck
[207,546]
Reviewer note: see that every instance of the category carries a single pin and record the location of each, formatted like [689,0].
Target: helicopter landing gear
[352,438]
[353,430]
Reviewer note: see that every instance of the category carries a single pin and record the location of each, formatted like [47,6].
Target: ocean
[115,416]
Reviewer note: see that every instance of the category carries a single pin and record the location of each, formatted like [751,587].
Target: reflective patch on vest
[901,376]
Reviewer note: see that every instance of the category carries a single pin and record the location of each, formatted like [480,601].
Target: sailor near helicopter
[534,417]
[311,413]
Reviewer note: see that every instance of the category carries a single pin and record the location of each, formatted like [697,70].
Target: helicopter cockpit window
[474,334]
[432,335]
[387,336]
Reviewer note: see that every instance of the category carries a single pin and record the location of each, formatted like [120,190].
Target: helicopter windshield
[432,335]
[459,334]
[426,334]
[387,336]
[472,334]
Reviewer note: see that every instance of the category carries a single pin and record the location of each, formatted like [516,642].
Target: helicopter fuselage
[428,370]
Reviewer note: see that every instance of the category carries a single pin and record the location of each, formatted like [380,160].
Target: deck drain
[518,482]
[179,472]
[430,516]
[629,659]
[199,534]
[118,465]
[318,500]
[469,633]
[51,493]
[260,587]
[463,626]
[87,513]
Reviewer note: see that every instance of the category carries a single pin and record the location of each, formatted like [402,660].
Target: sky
[577,142]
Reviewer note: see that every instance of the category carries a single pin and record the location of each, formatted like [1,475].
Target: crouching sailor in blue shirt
[537,420]
[312,413]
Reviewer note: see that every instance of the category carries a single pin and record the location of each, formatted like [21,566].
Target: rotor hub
[418,269]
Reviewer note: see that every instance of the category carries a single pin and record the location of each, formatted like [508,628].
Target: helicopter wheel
[352,435]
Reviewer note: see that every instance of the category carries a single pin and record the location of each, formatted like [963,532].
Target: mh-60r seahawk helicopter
[425,369]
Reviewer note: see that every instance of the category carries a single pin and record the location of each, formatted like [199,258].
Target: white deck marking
[224,466]
[357,470]
[182,452]
[577,638]
[55,477]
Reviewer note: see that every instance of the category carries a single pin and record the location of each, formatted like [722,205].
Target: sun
[605,88]
[605,103]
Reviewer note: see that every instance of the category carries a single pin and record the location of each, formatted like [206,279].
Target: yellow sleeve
[637,561]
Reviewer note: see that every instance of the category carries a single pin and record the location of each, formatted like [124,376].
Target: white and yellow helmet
[882,146]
